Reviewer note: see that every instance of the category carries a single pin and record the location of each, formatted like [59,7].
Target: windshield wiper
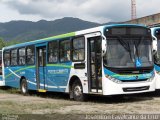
[126,46]
[136,44]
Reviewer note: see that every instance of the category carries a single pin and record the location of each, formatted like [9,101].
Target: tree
[2,43]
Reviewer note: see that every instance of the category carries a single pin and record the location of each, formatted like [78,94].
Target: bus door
[41,67]
[95,63]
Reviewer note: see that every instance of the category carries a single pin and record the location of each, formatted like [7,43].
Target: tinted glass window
[14,57]
[65,50]
[7,58]
[30,55]
[78,49]
[22,56]
[53,52]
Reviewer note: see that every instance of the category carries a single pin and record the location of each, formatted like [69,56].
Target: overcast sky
[100,11]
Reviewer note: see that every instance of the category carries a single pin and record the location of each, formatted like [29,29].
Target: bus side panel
[14,74]
[30,75]
[58,76]
[11,77]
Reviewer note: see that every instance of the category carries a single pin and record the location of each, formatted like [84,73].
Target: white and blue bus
[106,60]
[156,48]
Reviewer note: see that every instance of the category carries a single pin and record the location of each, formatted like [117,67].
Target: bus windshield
[125,51]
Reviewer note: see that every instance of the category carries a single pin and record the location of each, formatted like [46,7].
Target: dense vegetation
[4,43]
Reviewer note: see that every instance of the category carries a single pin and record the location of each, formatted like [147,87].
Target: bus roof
[71,34]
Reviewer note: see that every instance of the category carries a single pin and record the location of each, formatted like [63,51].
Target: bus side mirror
[104,46]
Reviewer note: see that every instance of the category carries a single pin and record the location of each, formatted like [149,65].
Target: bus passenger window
[53,52]
[78,49]
[52,58]
[65,51]
[30,55]
[21,57]
[7,58]
[14,57]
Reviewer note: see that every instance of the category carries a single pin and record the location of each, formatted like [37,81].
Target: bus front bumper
[112,88]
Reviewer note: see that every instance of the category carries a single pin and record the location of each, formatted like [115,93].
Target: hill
[27,30]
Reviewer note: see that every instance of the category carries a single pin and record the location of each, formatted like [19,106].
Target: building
[151,20]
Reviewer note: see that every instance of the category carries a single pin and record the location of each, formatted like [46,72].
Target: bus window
[41,57]
[30,55]
[14,57]
[53,52]
[65,51]
[7,58]
[78,49]
[21,57]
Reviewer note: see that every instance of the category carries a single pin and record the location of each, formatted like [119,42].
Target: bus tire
[24,87]
[77,91]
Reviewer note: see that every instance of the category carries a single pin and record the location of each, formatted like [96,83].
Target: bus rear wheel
[24,87]
[77,91]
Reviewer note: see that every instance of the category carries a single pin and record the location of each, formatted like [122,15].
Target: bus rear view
[128,62]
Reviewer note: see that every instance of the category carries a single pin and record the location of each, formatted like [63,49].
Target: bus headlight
[150,79]
[114,80]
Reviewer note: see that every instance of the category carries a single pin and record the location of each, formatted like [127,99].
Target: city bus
[106,60]
[156,48]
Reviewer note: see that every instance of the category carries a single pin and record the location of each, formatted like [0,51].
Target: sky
[100,11]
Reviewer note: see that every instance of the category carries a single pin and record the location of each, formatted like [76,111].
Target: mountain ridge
[27,30]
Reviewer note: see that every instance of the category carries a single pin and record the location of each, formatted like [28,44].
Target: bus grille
[132,89]
[134,71]
[139,80]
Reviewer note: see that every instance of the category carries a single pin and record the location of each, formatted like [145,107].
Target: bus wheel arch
[23,86]
[76,89]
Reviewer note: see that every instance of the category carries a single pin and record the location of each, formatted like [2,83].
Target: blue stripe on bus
[157,68]
[1,78]
[128,77]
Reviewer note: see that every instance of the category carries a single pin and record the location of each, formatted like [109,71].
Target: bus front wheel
[24,87]
[77,91]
